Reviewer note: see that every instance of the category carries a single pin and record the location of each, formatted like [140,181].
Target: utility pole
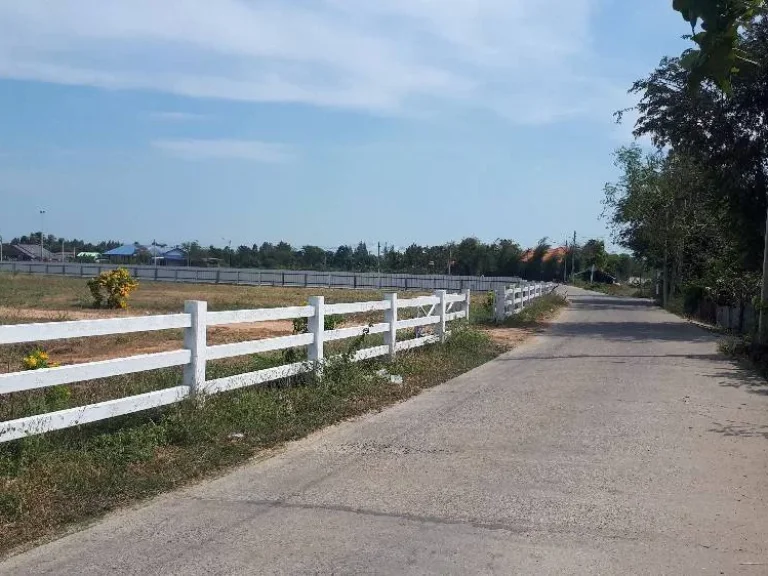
[573,256]
[378,257]
[565,263]
[762,329]
[62,250]
[42,226]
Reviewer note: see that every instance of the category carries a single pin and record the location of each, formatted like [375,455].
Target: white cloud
[518,57]
[252,150]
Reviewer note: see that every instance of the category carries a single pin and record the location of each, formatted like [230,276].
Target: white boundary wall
[511,300]
[256,277]
[437,311]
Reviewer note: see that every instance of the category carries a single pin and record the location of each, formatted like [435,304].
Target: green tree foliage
[715,26]
[696,209]
[593,253]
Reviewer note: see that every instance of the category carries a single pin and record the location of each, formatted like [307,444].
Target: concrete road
[617,443]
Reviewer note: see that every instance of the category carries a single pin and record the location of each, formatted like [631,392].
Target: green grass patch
[537,311]
[50,481]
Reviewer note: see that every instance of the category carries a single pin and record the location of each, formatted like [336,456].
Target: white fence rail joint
[195,320]
[509,301]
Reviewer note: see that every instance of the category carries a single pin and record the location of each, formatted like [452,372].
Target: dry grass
[27,298]
[70,296]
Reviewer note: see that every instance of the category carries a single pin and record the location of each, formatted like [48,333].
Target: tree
[726,136]
[719,54]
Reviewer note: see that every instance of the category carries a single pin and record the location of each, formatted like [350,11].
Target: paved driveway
[617,443]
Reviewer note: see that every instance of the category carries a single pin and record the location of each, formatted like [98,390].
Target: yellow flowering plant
[112,288]
[38,359]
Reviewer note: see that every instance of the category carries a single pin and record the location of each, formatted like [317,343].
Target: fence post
[500,304]
[195,342]
[390,317]
[316,326]
[467,298]
[441,310]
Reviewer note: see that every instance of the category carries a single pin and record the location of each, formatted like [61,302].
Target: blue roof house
[125,253]
[174,257]
[152,254]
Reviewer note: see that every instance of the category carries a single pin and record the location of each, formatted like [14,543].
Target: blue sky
[322,122]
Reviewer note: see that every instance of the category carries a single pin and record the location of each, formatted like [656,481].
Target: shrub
[56,397]
[37,359]
[112,287]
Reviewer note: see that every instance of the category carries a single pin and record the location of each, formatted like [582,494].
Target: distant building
[171,257]
[558,253]
[126,253]
[62,256]
[153,254]
[89,257]
[26,253]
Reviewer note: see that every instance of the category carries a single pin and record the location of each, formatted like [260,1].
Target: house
[153,254]
[26,253]
[558,254]
[89,257]
[126,253]
[62,256]
[170,257]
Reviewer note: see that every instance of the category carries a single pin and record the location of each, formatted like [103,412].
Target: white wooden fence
[437,311]
[511,300]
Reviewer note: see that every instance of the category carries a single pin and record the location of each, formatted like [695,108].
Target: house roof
[124,250]
[152,250]
[175,252]
[33,251]
[557,253]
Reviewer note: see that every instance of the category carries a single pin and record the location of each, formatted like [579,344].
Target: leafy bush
[37,359]
[114,287]
[55,397]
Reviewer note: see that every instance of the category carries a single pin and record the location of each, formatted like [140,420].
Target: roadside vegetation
[624,290]
[50,481]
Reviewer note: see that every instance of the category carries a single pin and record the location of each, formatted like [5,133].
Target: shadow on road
[740,429]
[602,302]
[716,357]
[742,378]
[631,331]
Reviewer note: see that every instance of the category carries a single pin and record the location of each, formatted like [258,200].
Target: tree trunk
[665,271]
[762,320]
[665,279]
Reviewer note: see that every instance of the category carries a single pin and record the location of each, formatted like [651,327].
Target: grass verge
[749,354]
[537,311]
[50,481]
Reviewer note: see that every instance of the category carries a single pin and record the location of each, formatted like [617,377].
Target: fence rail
[438,310]
[255,277]
[509,301]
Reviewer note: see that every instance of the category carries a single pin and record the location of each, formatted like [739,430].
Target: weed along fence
[509,301]
[253,277]
[435,311]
